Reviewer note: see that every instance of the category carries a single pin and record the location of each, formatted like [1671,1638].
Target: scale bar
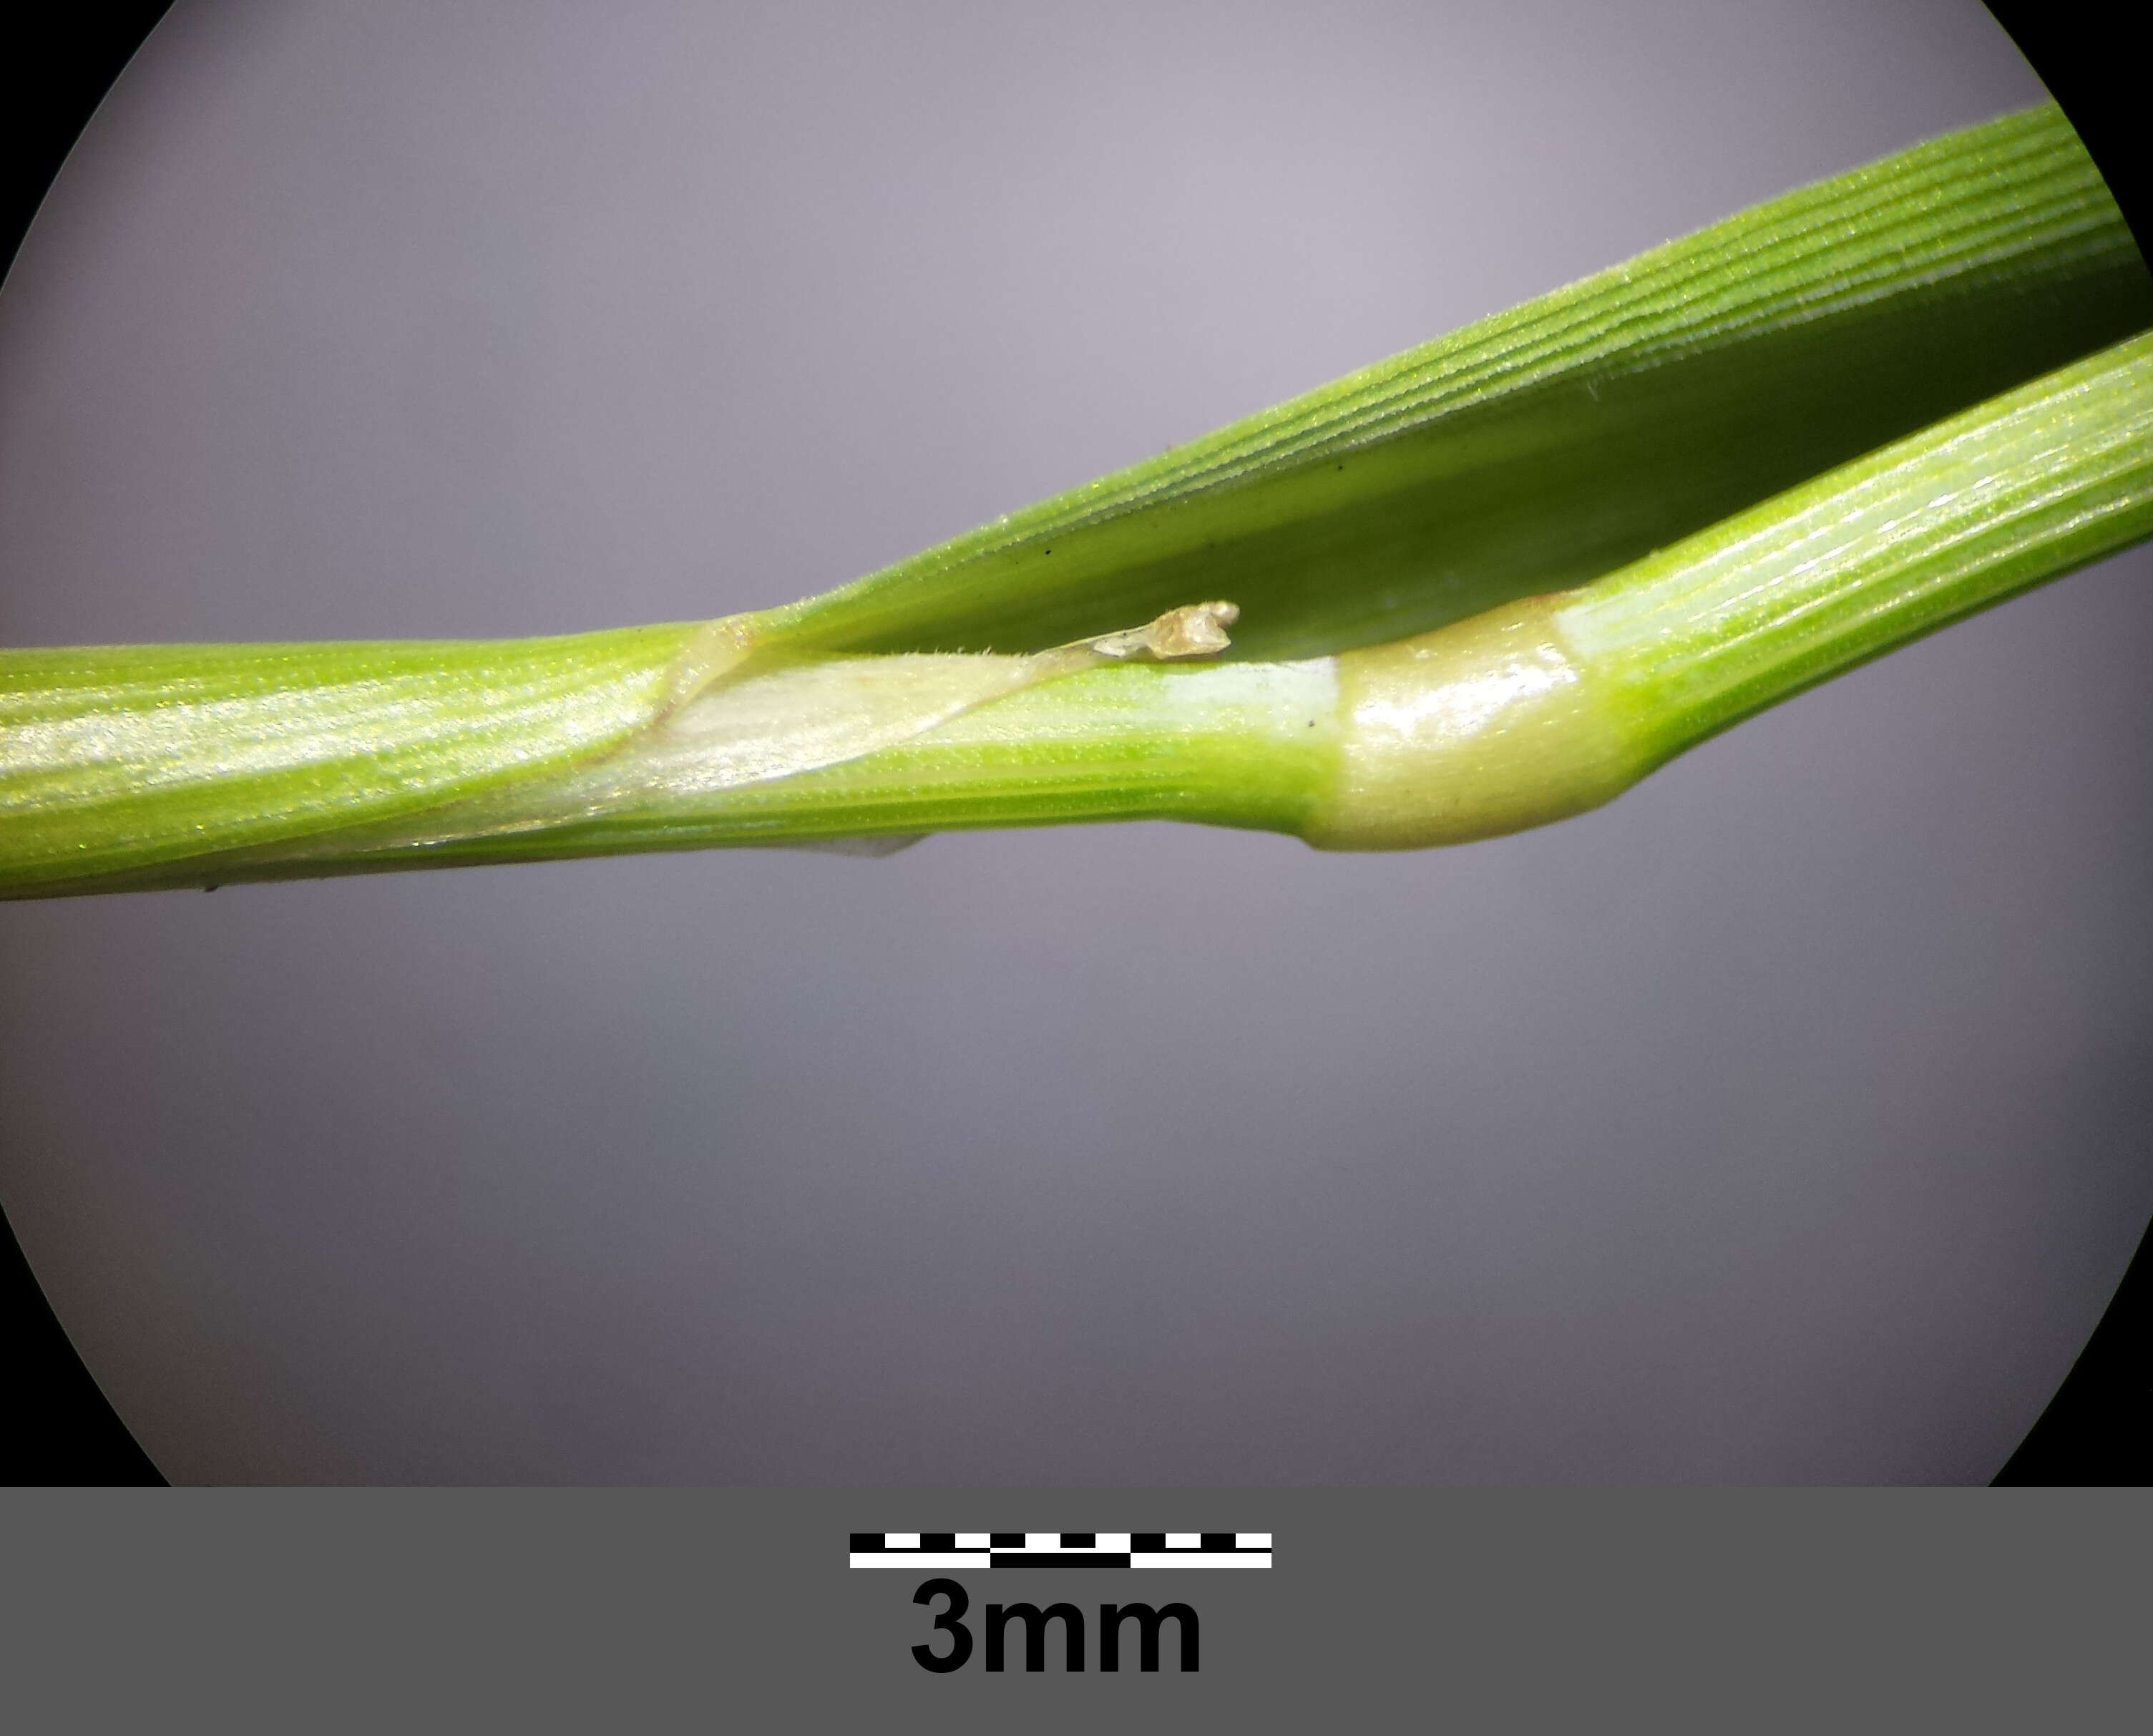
[1059,1557]
[1191,1558]
[962,1561]
[917,1558]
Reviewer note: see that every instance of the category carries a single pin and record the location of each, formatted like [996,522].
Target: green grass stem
[1481,586]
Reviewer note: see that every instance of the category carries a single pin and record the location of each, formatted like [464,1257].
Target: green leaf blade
[1548,445]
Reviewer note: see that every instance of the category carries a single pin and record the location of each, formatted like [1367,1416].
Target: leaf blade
[1421,490]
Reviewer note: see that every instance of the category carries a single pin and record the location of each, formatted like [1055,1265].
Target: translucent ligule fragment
[755,725]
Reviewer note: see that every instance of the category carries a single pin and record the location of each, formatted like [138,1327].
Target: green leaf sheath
[1546,446]
[119,759]
[1524,714]
[1483,585]
[1530,712]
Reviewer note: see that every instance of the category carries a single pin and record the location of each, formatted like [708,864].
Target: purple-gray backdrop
[1783,1121]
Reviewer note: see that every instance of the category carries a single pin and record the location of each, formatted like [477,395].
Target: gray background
[1490,1611]
[1782,1121]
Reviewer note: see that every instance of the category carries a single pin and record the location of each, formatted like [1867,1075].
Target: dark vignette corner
[2098,1427]
[60,61]
[2094,1431]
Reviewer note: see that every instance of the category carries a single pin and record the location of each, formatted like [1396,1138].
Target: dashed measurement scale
[955,1551]
[940,1553]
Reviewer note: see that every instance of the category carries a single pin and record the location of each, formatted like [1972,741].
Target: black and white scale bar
[948,1551]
